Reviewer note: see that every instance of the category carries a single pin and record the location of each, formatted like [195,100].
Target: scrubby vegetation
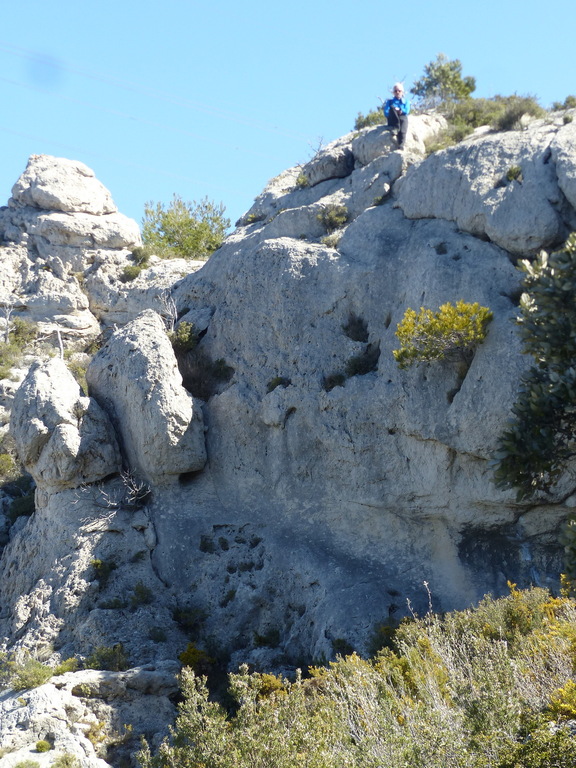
[188,230]
[535,449]
[490,687]
[453,332]
[444,90]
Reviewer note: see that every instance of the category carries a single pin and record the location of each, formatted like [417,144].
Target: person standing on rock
[397,110]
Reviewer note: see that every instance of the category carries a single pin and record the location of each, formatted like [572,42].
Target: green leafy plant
[184,337]
[302,181]
[130,272]
[372,118]
[103,570]
[66,761]
[188,230]
[442,83]
[68,665]
[333,216]
[516,108]
[197,659]
[28,764]
[201,375]
[532,453]
[25,674]
[514,173]
[111,658]
[141,595]
[43,746]
[452,332]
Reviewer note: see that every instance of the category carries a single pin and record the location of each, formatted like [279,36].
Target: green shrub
[184,337]
[28,673]
[302,181]
[356,328]
[29,764]
[374,117]
[442,83]
[141,255]
[130,272]
[515,108]
[197,659]
[157,635]
[453,332]
[331,241]
[43,746]
[68,665]
[66,761]
[188,230]
[270,639]
[333,216]
[110,658]
[533,452]
[141,595]
[514,173]
[8,468]
[103,570]
[21,334]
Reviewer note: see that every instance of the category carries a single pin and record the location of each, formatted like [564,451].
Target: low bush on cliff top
[489,687]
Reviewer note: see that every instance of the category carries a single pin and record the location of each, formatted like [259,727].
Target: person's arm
[405,106]
[386,107]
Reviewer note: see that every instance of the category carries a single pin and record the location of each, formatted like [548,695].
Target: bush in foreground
[483,688]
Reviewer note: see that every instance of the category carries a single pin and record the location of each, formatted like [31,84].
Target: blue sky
[213,99]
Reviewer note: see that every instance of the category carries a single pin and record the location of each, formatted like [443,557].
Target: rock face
[305,499]
[64,439]
[136,379]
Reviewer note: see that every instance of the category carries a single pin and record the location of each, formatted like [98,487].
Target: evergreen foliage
[188,230]
[534,450]
[453,332]
[442,83]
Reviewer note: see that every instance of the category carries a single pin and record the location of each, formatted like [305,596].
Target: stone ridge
[274,513]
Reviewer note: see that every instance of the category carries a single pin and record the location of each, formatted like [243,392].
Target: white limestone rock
[63,438]
[135,378]
[58,184]
[468,184]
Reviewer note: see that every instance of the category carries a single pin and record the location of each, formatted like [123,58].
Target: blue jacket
[402,104]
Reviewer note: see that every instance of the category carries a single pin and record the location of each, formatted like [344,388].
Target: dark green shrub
[141,255]
[66,761]
[270,639]
[190,619]
[302,181]
[374,117]
[442,83]
[333,216]
[453,332]
[188,230]
[197,659]
[533,452]
[141,595]
[130,272]
[110,658]
[184,337]
[43,746]
[515,108]
[157,635]
[514,173]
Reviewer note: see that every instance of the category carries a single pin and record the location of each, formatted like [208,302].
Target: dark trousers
[400,123]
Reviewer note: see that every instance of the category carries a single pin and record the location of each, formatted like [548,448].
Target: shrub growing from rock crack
[333,216]
[453,332]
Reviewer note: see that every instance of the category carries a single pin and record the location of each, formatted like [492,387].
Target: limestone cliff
[265,512]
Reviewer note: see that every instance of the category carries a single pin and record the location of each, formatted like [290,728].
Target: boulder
[63,438]
[58,184]
[135,378]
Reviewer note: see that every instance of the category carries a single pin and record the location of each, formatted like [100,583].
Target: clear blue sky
[215,98]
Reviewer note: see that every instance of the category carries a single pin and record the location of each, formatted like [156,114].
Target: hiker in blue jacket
[396,110]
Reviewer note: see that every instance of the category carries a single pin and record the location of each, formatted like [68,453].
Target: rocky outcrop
[303,500]
[136,379]
[63,439]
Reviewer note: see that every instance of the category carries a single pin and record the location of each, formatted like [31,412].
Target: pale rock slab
[135,378]
[63,438]
[58,184]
